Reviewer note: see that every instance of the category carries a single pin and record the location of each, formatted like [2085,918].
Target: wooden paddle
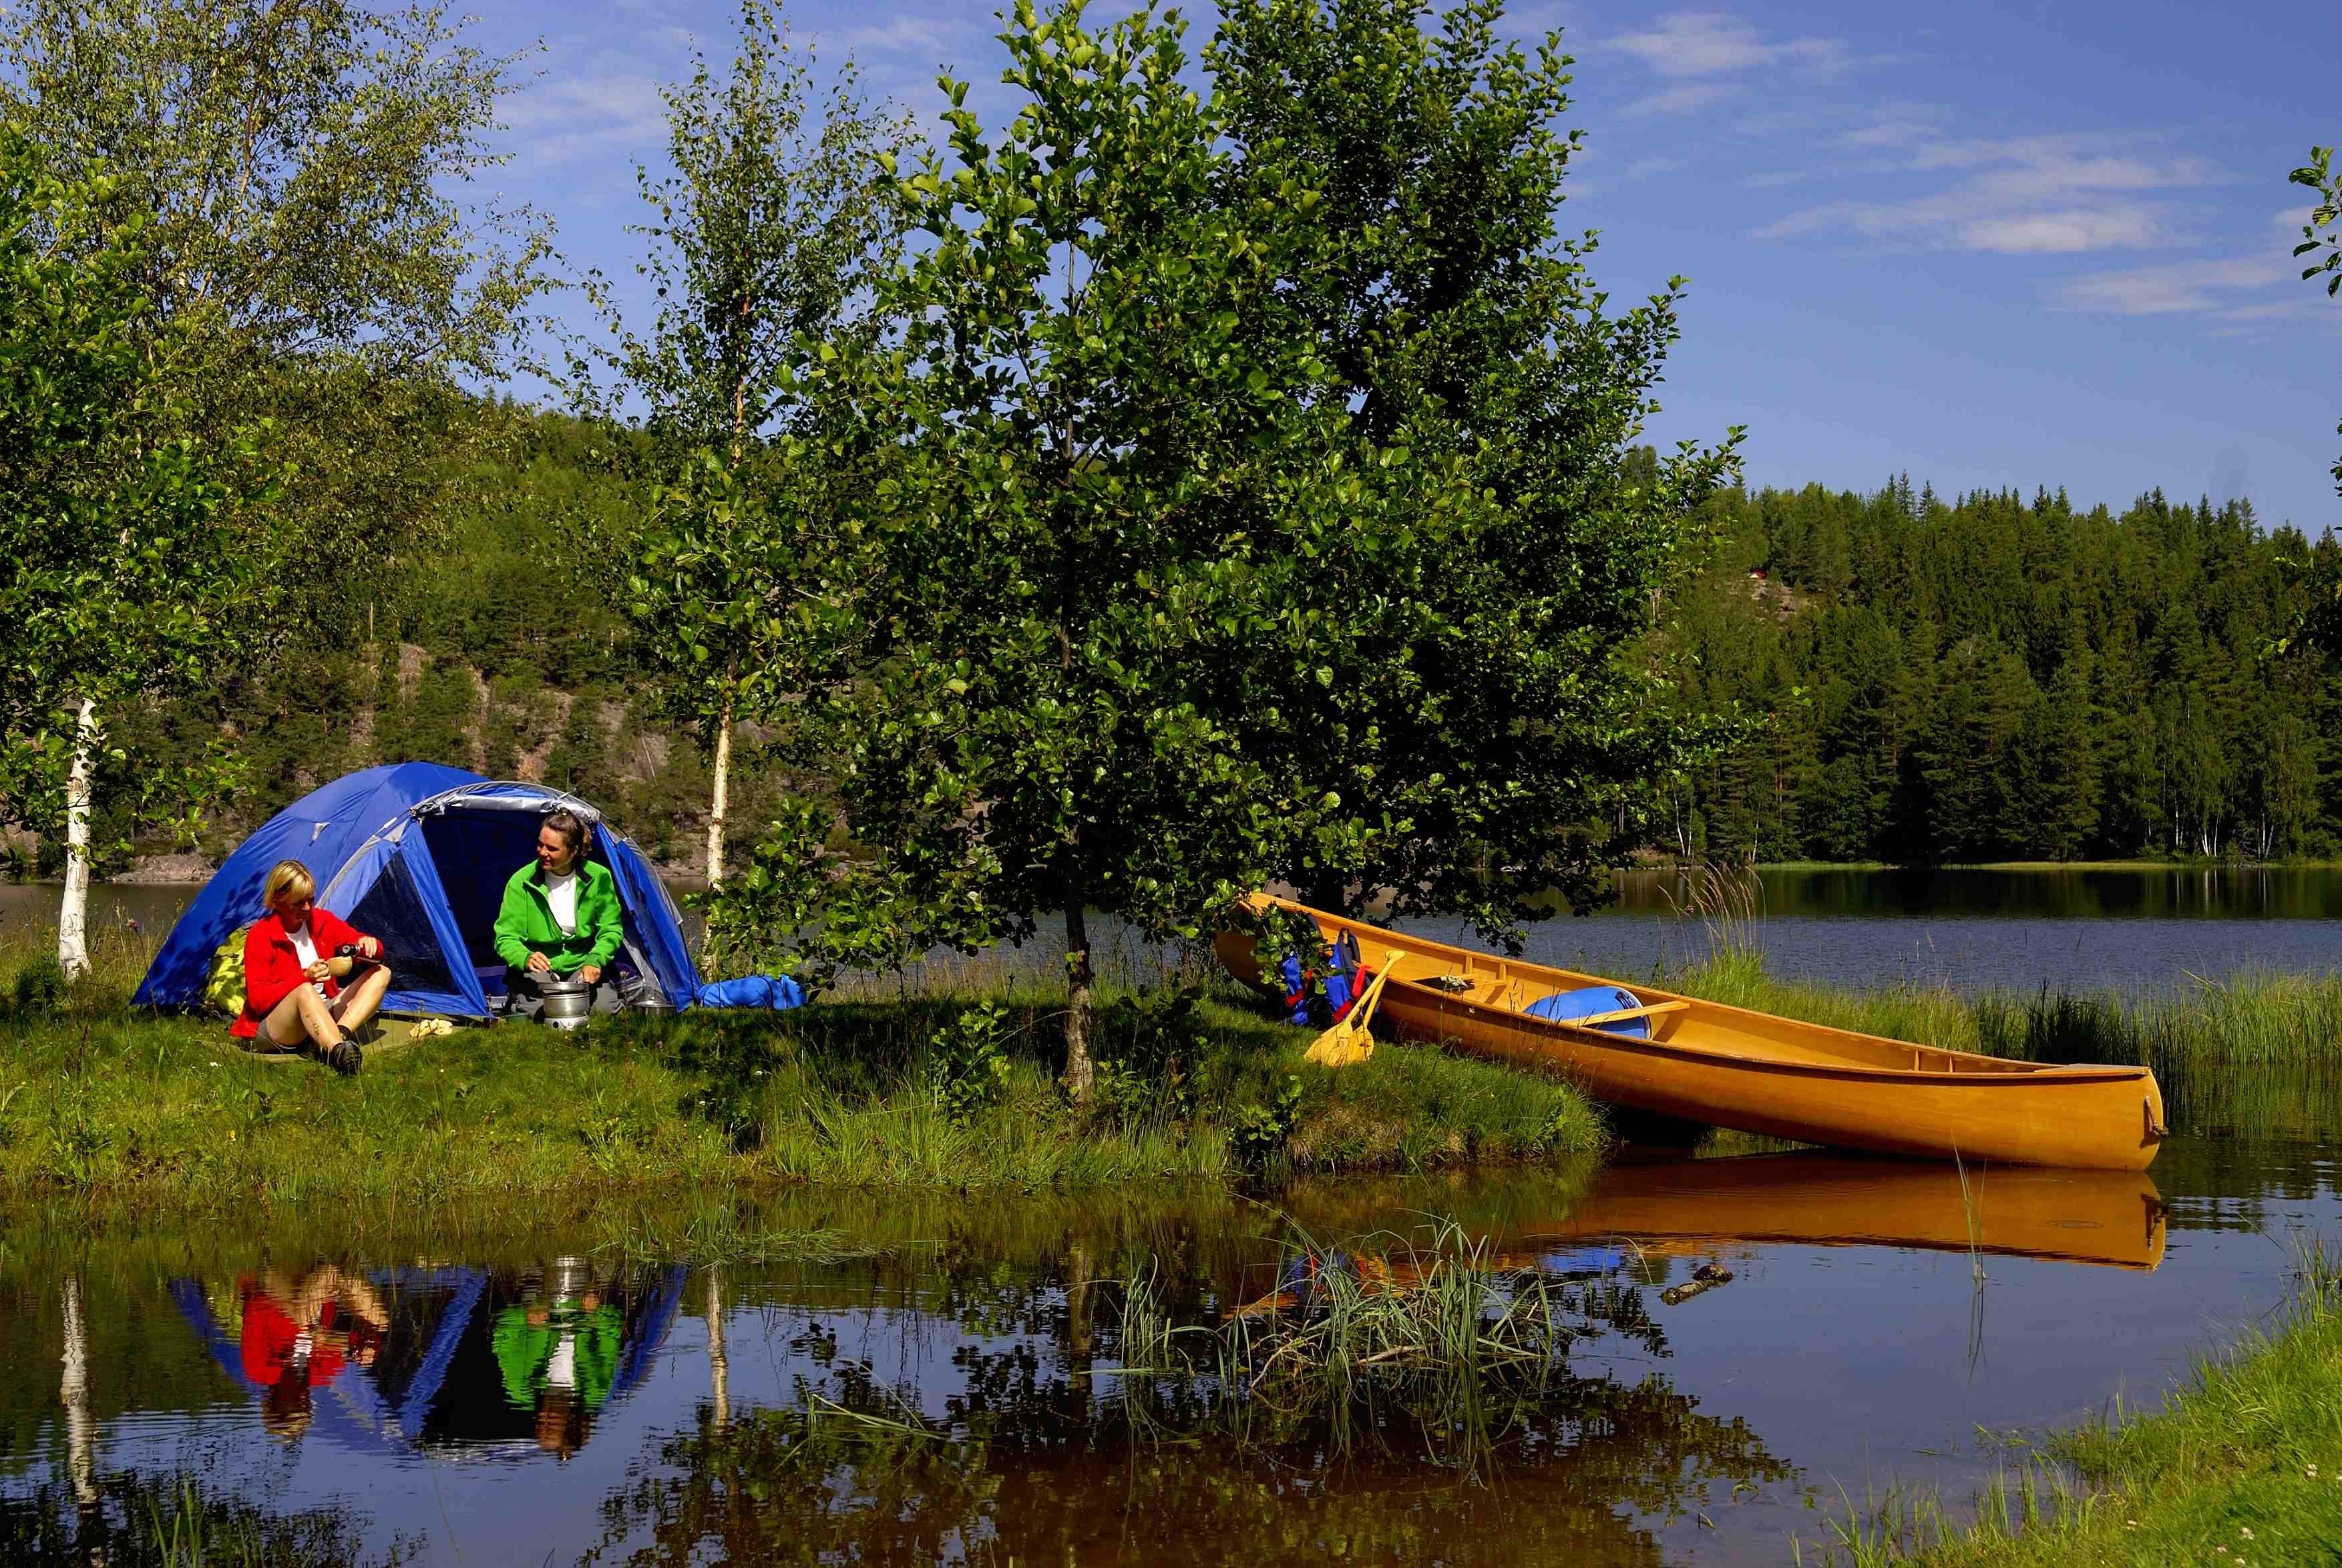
[1348,1041]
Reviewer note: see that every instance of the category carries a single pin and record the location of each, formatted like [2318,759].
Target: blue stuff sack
[1589,1000]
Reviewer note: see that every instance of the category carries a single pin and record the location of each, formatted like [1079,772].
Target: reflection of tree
[1026,1463]
[165,1521]
[829,1480]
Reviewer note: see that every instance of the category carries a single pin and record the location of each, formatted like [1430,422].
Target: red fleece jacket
[272,969]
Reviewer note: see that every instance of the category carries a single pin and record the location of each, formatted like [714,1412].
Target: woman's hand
[591,975]
[321,970]
[538,964]
[370,947]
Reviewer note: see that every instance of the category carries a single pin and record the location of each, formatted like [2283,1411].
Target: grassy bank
[939,1090]
[2242,1467]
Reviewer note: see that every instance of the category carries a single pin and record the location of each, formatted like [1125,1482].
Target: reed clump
[1420,1333]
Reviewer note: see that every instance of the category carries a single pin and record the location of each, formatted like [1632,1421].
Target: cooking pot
[567,1003]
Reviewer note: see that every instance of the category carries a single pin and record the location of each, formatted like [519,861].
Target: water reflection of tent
[433,1386]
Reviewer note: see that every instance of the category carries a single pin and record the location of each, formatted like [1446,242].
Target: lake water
[1974,930]
[954,1392]
[940,1380]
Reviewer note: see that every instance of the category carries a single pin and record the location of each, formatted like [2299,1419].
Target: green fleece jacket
[525,924]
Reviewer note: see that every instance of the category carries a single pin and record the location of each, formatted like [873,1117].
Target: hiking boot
[343,1055]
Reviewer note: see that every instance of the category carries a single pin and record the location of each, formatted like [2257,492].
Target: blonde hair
[287,879]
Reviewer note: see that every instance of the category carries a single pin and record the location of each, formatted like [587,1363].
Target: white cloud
[2197,287]
[2064,232]
[2019,195]
[1684,97]
[903,35]
[563,118]
[1711,44]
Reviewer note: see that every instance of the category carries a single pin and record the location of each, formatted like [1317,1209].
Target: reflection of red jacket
[270,1338]
[272,969]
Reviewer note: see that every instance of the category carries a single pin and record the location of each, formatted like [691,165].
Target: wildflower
[2245,1530]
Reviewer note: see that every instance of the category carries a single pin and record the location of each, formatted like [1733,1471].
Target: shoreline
[2241,1465]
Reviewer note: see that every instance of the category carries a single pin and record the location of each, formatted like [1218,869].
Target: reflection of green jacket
[525,924]
[524,1349]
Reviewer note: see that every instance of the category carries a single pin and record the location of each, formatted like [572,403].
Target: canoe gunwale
[1602,1039]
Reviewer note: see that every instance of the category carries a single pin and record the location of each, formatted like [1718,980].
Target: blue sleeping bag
[773,992]
[1589,1000]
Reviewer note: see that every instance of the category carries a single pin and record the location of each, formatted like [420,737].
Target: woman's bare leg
[357,1004]
[303,1012]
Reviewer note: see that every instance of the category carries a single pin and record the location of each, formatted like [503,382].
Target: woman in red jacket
[292,990]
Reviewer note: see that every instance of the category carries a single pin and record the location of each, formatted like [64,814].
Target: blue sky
[1986,244]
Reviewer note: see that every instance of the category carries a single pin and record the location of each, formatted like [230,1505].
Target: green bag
[223,988]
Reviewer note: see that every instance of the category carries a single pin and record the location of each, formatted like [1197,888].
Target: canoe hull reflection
[1731,1067]
[1814,1198]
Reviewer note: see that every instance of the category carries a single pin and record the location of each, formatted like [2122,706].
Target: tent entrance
[476,850]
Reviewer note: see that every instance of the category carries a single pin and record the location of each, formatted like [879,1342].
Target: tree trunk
[73,1393]
[717,794]
[1080,1001]
[73,915]
[719,1366]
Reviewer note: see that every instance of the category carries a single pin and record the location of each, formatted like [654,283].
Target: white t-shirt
[304,948]
[561,897]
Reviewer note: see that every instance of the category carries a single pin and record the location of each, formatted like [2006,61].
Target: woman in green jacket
[560,917]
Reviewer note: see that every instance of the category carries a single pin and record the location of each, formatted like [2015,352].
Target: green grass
[2243,1466]
[939,1090]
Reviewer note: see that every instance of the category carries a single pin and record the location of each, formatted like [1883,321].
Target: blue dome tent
[417,854]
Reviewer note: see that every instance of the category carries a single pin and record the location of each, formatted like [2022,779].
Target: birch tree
[770,219]
[130,548]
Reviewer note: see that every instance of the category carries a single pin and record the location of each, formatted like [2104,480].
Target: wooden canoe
[1732,1067]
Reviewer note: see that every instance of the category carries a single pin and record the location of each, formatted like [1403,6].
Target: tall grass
[2253,1055]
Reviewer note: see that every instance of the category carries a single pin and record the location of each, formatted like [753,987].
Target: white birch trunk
[719,1366]
[715,805]
[73,1393]
[73,914]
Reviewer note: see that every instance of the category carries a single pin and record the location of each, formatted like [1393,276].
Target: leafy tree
[1094,457]
[1488,693]
[768,230]
[583,761]
[2320,624]
[131,549]
[308,171]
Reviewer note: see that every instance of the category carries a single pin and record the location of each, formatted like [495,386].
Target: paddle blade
[1340,1046]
